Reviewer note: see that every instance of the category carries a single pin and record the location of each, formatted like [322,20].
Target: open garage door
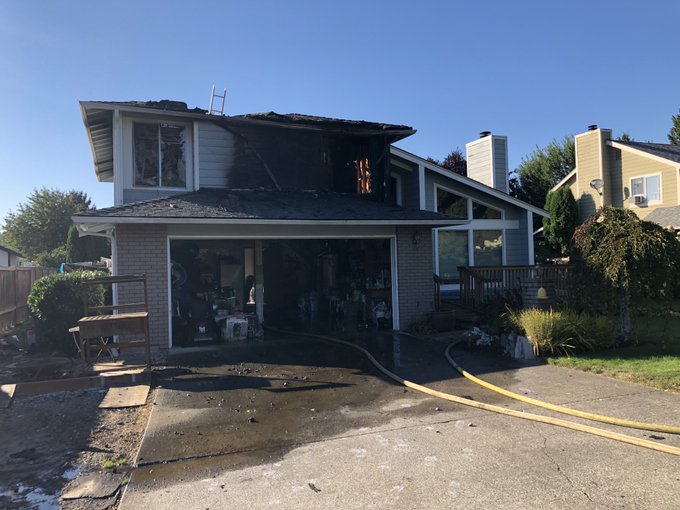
[222,290]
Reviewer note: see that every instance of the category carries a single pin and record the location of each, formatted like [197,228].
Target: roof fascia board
[634,150]
[467,181]
[564,179]
[228,221]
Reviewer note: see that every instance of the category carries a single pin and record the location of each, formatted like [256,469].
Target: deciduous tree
[541,170]
[41,224]
[455,161]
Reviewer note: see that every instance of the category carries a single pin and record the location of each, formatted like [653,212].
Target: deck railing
[15,285]
[478,284]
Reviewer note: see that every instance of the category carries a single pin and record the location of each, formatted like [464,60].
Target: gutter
[81,221]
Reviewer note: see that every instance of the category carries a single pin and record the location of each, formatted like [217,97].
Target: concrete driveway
[294,423]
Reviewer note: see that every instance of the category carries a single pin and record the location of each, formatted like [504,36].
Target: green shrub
[56,303]
[52,258]
[600,330]
[552,332]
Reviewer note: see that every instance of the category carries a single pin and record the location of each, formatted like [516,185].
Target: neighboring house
[287,217]
[643,177]
[9,257]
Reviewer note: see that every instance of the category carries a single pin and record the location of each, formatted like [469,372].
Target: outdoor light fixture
[542,293]
[597,185]
[416,239]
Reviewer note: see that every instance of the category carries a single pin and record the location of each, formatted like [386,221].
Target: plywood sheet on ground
[94,485]
[125,396]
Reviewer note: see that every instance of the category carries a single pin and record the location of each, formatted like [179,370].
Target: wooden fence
[478,284]
[15,285]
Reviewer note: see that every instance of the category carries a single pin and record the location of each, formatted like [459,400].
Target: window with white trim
[648,186]
[160,158]
[484,212]
[452,204]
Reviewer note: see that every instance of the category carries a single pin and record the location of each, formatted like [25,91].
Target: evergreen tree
[559,228]
[674,133]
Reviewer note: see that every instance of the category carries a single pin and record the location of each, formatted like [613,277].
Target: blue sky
[533,71]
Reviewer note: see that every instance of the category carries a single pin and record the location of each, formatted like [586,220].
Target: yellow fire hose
[644,443]
[560,409]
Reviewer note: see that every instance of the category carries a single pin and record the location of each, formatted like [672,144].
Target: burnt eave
[98,120]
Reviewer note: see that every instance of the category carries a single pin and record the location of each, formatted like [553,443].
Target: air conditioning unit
[638,199]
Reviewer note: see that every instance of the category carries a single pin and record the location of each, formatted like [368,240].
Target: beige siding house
[642,177]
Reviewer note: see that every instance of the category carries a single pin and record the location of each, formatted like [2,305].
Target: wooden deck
[479,284]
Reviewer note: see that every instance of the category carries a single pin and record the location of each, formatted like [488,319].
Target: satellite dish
[597,185]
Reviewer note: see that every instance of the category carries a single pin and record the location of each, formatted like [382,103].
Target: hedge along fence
[15,285]
[56,303]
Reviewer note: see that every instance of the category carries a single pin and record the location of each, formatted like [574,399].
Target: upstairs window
[452,204]
[160,155]
[649,187]
[484,212]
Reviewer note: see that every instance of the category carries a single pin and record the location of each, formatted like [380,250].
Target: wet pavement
[291,422]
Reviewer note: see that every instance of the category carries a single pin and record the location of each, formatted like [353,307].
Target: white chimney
[487,160]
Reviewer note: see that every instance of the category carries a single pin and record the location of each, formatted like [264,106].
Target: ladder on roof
[213,95]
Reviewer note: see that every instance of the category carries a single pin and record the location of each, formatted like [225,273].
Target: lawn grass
[654,357]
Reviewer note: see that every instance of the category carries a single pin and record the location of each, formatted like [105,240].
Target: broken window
[160,159]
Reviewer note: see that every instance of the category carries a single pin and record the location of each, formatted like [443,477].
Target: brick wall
[416,283]
[142,249]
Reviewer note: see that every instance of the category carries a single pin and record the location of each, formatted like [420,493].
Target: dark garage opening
[335,285]
[338,285]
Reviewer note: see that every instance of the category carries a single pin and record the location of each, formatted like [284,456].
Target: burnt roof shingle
[322,122]
[265,205]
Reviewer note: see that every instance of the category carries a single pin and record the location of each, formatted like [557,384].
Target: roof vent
[484,134]
[592,127]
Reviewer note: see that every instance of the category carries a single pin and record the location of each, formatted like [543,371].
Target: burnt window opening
[363,176]
[160,155]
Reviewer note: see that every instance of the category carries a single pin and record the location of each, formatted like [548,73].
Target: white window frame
[469,200]
[644,186]
[129,153]
[398,188]
[471,226]
[468,207]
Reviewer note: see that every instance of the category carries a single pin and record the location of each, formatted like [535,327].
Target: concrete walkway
[293,423]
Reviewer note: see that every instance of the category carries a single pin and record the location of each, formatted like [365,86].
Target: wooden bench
[96,326]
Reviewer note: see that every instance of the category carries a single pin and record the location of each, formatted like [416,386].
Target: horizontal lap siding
[142,249]
[516,241]
[216,150]
[500,163]
[479,161]
[416,283]
[589,168]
